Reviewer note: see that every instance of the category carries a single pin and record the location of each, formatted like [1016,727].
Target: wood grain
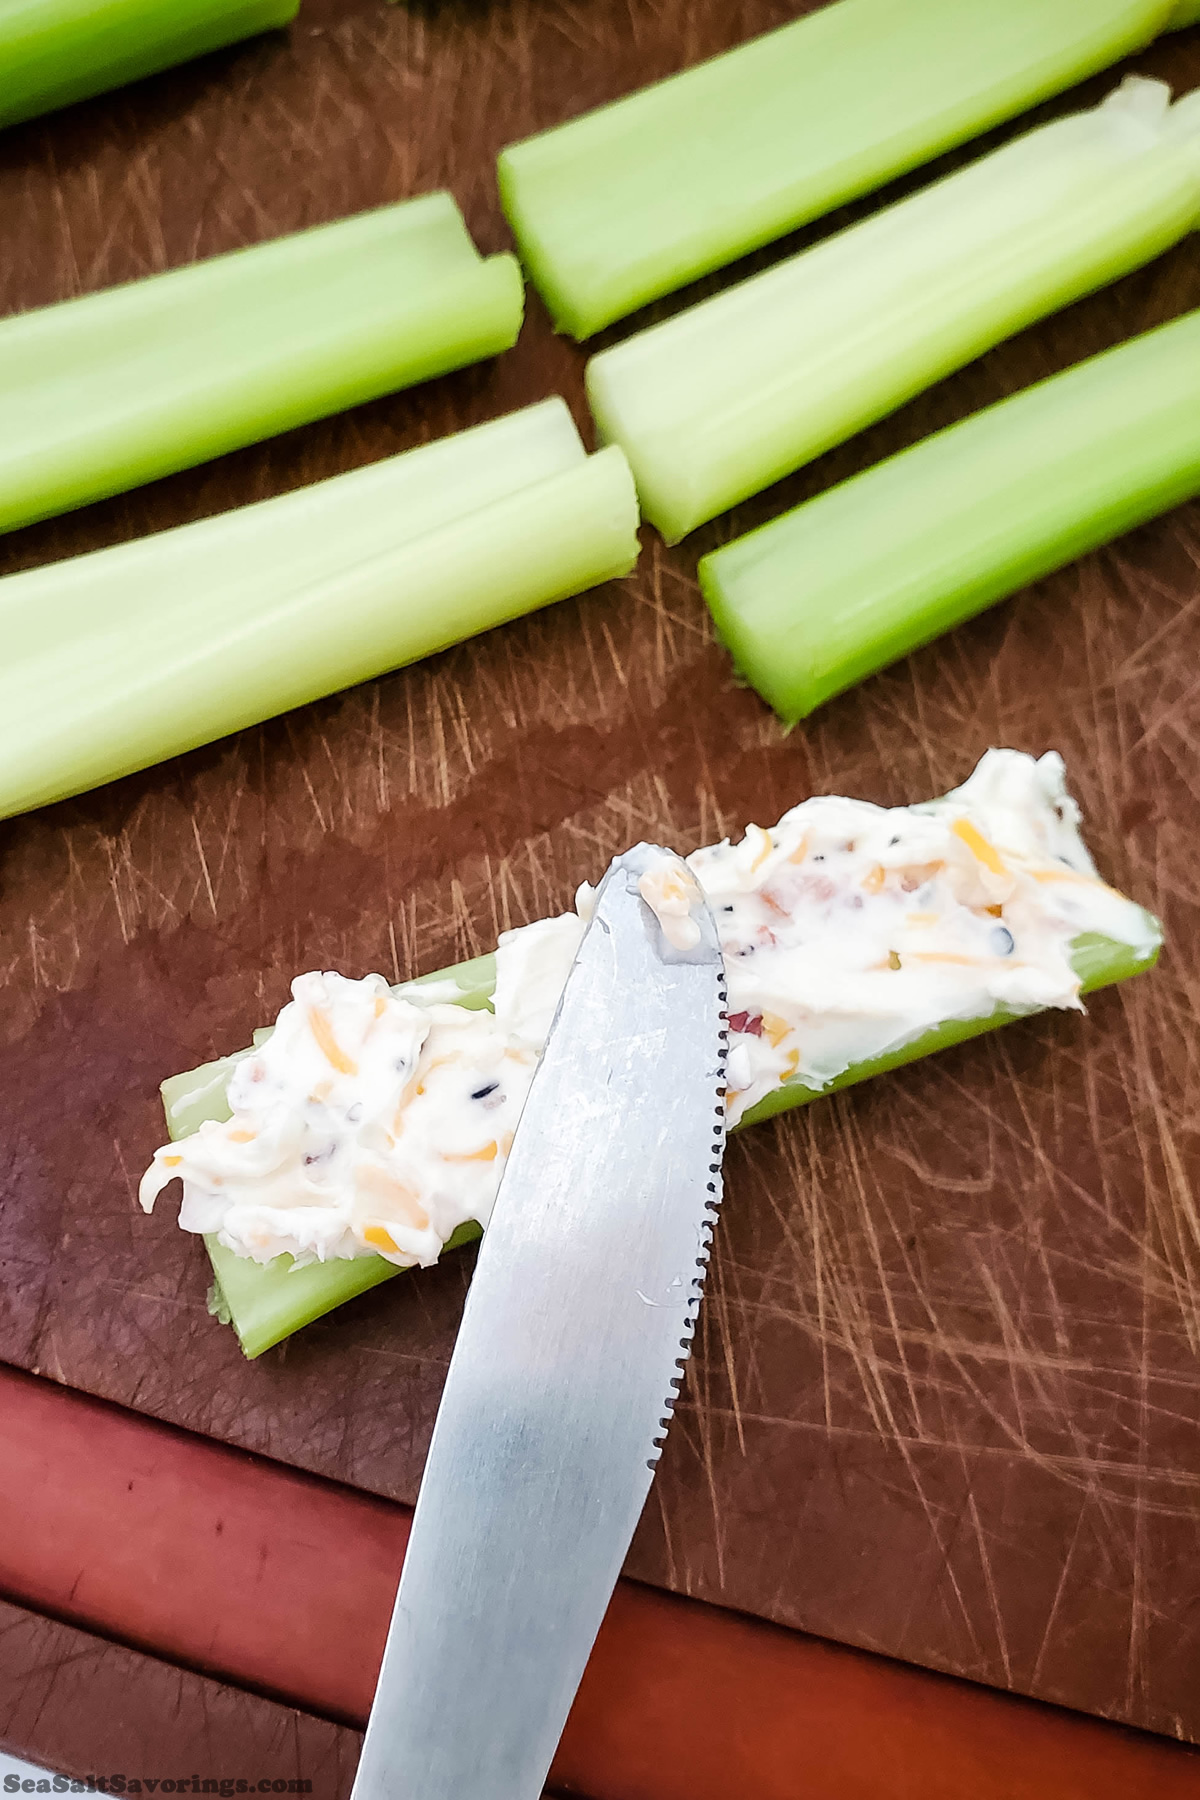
[287,1585]
[945,1398]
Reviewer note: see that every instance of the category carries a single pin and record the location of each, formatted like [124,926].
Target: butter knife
[567,1364]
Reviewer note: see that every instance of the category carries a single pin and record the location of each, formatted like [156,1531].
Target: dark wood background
[944,1401]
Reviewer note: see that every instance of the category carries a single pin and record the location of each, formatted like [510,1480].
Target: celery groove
[845,584]
[53,52]
[101,393]
[639,197]
[266,1303]
[121,658]
[724,399]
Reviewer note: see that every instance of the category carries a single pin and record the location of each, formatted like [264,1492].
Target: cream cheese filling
[372,1122]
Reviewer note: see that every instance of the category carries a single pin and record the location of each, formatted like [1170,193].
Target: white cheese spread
[372,1123]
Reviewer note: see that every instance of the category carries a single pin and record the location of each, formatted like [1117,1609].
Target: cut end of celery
[663,492]
[538,261]
[775,678]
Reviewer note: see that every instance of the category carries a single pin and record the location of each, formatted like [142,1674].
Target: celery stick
[53,52]
[119,659]
[267,1302]
[847,583]
[1186,13]
[640,197]
[264,1301]
[722,400]
[101,393]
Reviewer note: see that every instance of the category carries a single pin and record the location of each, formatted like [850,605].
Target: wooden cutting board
[944,1401]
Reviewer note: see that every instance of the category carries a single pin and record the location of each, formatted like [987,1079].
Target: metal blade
[566,1368]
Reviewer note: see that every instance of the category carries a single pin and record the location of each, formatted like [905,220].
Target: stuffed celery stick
[370,1128]
[119,659]
[719,402]
[116,388]
[639,197]
[53,52]
[834,590]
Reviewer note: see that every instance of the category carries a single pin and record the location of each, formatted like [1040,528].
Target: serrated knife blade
[566,1367]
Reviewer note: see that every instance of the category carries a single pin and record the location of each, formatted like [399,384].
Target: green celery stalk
[856,578]
[53,52]
[639,197]
[101,393]
[722,400]
[1187,12]
[267,1302]
[119,659]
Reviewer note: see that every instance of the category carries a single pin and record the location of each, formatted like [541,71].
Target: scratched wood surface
[80,1706]
[944,1401]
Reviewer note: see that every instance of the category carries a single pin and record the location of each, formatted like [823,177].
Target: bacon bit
[917,874]
[241,1136]
[893,961]
[792,1063]
[489,1153]
[381,1239]
[772,905]
[774,1029]
[750,1024]
[996,912]
[331,1050]
[874,881]
[979,846]
[171,1162]
[802,848]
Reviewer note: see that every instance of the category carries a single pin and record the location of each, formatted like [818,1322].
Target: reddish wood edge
[242,1568]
